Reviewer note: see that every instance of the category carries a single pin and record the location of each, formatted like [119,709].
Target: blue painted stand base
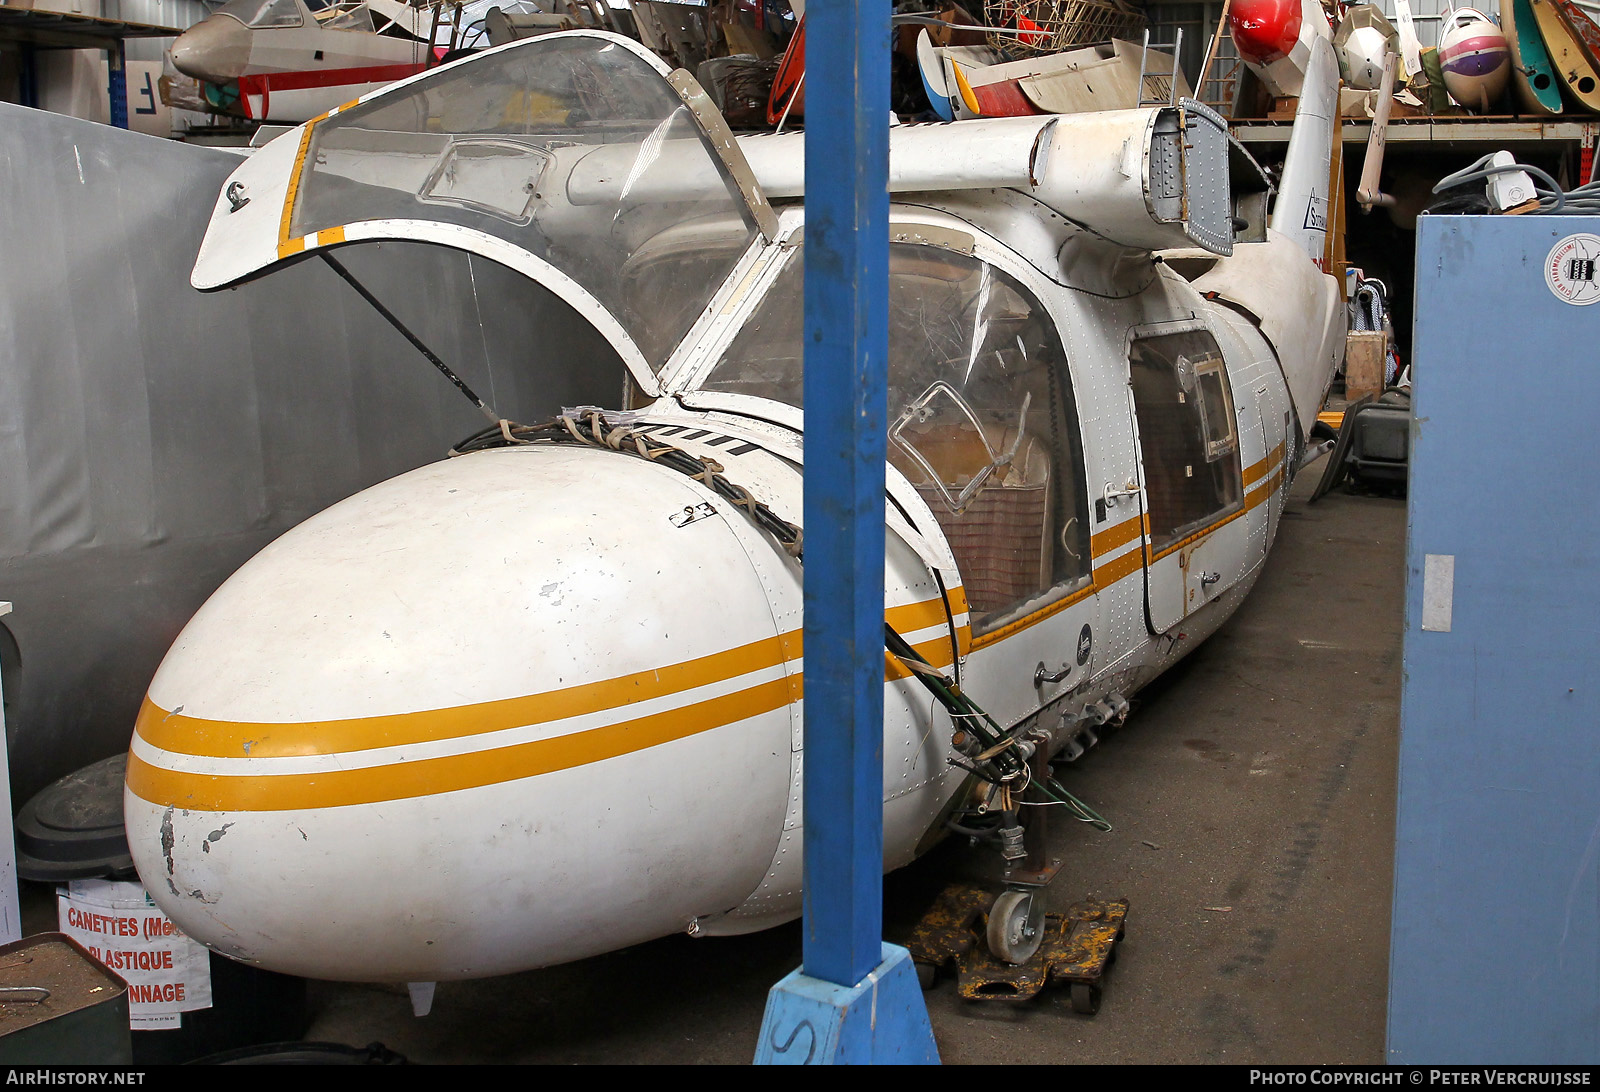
[880,1020]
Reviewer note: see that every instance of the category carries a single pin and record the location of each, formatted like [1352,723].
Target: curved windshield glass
[264,13]
[981,419]
[576,151]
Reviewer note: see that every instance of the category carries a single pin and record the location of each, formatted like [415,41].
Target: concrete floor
[1252,795]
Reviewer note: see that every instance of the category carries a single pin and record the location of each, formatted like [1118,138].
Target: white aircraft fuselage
[542,701]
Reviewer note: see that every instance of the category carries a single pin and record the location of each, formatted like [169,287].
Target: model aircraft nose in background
[216,49]
[285,62]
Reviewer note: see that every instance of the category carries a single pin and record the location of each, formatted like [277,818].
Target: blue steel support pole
[846,361]
[117,83]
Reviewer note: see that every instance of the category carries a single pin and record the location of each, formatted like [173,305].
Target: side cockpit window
[1187,432]
[981,419]
[981,423]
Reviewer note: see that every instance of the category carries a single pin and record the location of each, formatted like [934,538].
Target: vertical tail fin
[1288,45]
[1302,207]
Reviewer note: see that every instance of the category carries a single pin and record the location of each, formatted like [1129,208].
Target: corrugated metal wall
[1198,22]
[161,13]
[165,13]
[1427,15]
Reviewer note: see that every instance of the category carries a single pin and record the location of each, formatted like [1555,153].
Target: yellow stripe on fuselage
[200,737]
[1108,570]
[228,739]
[448,773]
[1257,470]
[429,776]
[913,617]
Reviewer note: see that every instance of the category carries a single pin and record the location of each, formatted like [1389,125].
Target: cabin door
[1190,486]
[983,424]
[1275,425]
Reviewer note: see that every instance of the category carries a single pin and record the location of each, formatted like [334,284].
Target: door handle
[1208,579]
[1112,493]
[1041,676]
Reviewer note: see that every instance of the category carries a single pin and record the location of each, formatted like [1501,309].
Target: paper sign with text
[167,973]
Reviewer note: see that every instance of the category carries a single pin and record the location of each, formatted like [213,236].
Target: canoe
[1574,70]
[1532,75]
[1583,27]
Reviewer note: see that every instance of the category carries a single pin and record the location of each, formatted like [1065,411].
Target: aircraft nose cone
[215,50]
[497,713]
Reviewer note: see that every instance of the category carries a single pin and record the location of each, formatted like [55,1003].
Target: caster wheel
[1014,934]
[1085,998]
[927,975]
[1116,947]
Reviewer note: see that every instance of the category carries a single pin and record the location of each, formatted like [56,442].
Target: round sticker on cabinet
[1571,268]
[1085,643]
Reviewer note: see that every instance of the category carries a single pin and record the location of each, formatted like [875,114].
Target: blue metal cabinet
[1495,953]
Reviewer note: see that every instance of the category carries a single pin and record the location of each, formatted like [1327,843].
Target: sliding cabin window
[1188,434]
[981,418]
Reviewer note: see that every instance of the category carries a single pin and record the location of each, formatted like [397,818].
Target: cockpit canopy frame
[570,158]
